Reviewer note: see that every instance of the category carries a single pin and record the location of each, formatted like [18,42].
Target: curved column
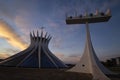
[45,50]
[51,54]
[32,52]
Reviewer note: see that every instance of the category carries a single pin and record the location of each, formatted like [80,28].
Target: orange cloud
[10,35]
[4,55]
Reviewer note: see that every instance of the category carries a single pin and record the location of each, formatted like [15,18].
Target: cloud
[4,55]
[68,59]
[52,23]
[7,53]
[72,59]
[57,42]
[11,36]
[109,4]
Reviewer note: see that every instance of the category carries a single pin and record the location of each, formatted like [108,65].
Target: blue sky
[19,17]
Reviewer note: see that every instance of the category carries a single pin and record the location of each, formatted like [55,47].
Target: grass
[12,73]
[7,73]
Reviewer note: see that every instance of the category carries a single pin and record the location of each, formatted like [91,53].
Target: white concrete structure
[37,55]
[89,63]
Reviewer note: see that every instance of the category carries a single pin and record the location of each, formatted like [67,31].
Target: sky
[19,17]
